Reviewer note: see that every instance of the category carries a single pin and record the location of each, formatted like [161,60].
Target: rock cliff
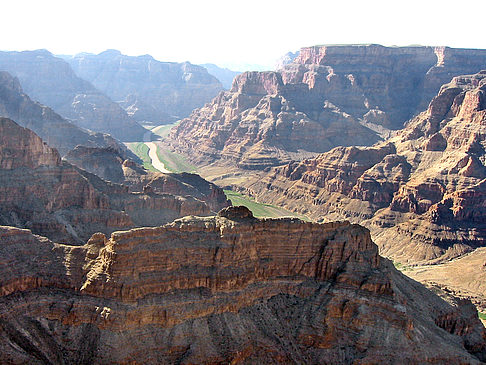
[51,81]
[50,126]
[422,192]
[223,289]
[53,198]
[258,124]
[146,88]
[108,164]
[327,96]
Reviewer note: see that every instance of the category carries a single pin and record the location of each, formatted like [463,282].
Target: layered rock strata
[51,81]
[53,198]
[148,89]
[108,164]
[422,192]
[327,96]
[224,289]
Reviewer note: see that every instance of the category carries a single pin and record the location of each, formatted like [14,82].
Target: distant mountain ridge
[56,131]
[225,75]
[149,90]
[51,81]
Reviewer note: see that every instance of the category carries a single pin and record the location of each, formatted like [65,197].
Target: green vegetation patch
[401,267]
[174,162]
[259,209]
[482,316]
[164,129]
[142,151]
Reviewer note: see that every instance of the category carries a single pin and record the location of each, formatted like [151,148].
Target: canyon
[223,289]
[149,90]
[328,96]
[383,149]
[421,192]
[55,199]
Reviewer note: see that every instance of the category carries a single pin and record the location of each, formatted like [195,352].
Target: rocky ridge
[53,198]
[50,126]
[327,96]
[191,291]
[421,192]
[149,90]
[108,164]
[51,81]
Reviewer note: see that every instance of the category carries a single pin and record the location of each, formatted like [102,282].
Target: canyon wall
[327,96]
[51,81]
[53,198]
[223,289]
[149,90]
[421,192]
[47,124]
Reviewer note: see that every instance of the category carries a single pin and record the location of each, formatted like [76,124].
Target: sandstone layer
[53,198]
[51,81]
[327,96]
[56,131]
[422,192]
[220,290]
[148,89]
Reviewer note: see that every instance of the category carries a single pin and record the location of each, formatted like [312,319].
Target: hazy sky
[234,32]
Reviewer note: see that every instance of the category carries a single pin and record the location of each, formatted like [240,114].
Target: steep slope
[53,198]
[108,164]
[220,290]
[146,88]
[422,192]
[258,124]
[326,97]
[51,81]
[50,126]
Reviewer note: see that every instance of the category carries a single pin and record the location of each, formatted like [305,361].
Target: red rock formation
[219,290]
[422,192]
[57,200]
[108,164]
[326,97]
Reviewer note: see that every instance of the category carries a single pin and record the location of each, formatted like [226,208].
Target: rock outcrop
[258,124]
[108,164]
[421,193]
[148,89]
[220,290]
[51,81]
[53,198]
[327,96]
[50,126]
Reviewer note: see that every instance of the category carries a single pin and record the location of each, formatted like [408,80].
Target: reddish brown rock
[109,164]
[328,96]
[224,289]
[421,192]
[62,202]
